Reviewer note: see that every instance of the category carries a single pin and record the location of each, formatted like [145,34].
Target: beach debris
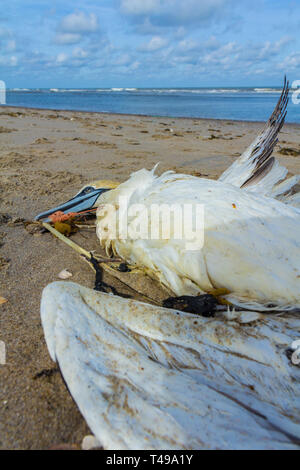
[66,228]
[140,284]
[90,442]
[178,134]
[196,173]
[4,130]
[34,228]
[63,228]
[3,300]
[46,373]
[41,140]
[5,218]
[289,151]
[4,262]
[2,236]
[73,245]
[65,274]
[16,221]
[12,114]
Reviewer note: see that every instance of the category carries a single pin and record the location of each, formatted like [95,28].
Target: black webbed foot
[204,305]
[100,285]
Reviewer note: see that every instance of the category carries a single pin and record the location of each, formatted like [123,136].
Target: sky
[149,43]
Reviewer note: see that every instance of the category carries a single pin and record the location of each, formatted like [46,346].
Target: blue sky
[149,43]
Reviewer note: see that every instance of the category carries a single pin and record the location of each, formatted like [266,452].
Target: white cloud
[188,45]
[79,23]
[123,59]
[13,61]
[79,53]
[270,49]
[156,43]
[174,12]
[67,38]
[138,7]
[61,58]
[74,27]
[291,62]
[135,65]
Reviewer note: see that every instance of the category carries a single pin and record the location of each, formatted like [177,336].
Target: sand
[45,157]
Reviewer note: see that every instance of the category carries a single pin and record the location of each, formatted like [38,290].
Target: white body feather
[251,242]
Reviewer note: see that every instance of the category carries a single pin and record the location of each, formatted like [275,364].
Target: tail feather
[256,170]
[292,200]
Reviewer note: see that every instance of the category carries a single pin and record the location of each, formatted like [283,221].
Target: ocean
[249,104]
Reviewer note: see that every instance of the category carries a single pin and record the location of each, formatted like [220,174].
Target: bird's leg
[204,305]
[100,285]
[219,294]
[103,259]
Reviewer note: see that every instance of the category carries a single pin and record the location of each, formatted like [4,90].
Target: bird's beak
[78,203]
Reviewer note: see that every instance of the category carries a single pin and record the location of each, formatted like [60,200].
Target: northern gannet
[250,245]
[147,377]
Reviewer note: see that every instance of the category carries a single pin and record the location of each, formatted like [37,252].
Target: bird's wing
[146,377]
[256,170]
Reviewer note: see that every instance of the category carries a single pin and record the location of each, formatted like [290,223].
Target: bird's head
[87,198]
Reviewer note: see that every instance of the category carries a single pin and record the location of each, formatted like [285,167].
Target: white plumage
[147,377]
[251,242]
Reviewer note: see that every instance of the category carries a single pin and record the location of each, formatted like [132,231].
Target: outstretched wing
[146,377]
[256,170]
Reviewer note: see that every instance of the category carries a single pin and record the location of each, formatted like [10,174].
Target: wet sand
[45,157]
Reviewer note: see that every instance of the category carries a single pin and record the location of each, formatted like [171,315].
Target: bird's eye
[87,190]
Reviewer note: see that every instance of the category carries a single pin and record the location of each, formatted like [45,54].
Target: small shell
[3,300]
[64,274]
[90,442]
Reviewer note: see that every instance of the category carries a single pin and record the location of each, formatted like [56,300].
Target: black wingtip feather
[268,139]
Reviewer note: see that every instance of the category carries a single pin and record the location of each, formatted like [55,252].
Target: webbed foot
[100,285]
[204,305]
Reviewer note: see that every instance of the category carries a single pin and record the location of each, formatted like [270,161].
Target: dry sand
[45,157]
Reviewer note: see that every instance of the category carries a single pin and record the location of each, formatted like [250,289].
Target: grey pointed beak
[79,203]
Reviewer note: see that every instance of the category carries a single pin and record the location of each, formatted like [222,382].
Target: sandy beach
[45,157]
